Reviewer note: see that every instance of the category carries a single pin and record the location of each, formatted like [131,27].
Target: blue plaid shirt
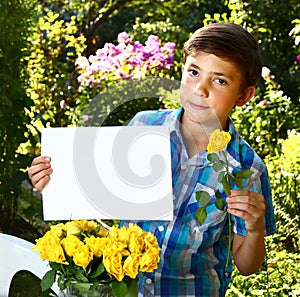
[193,257]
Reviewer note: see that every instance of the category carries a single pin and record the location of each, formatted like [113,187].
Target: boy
[222,65]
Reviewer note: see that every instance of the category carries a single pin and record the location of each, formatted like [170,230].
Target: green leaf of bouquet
[217,166]
[55,266]
[100,269]
[201,215]
[48,280]
[132,288]
[213,157]
[243,174]
[220,204]
[82,286]
[119,288]
[202,197]
[218,194]
[80,277]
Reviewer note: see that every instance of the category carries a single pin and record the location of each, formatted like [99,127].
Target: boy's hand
[250,206]
[40,171]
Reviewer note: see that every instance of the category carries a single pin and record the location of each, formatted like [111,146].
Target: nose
[201,89]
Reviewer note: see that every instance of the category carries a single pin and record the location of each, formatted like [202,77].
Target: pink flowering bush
[127,59]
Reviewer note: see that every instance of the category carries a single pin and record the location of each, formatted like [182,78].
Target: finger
[245,196]
[246,203]
[41,159]
[40,174]
[234,193]
[34,169]
[42,182]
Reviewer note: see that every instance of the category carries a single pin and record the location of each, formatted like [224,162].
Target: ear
[246,96]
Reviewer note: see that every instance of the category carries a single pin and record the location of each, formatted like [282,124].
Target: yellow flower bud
[218,140]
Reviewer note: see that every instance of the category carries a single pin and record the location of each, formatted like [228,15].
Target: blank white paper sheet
[108,173]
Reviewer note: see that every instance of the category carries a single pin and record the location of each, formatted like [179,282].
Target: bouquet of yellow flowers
[85,254]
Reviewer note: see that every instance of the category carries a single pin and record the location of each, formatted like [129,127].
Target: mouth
[198,106]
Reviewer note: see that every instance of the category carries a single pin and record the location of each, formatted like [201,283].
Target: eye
[193,72]
[221,81]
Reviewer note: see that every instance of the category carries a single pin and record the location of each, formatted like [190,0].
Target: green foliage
[15,17]
[271,22]
[44,93]
[264,121]
[278,277]
[284,172]
[54,46]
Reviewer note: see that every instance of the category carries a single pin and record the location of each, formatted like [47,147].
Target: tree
[14,19]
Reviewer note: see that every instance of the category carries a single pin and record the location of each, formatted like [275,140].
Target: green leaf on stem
[218,194]
[220,204]
[48,280]
[201,215]
[119,288]
[203,197]
[226,185]
[221,176]
[217,166]
[243,174]
[213,157]
[238,182]
[132,287]
[100,269]
[80,277]
[82,286]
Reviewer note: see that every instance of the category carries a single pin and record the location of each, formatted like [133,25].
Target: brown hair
[230,42]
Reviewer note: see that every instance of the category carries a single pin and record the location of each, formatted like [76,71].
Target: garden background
[54,61]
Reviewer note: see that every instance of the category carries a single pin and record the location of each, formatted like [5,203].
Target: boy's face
[210,88]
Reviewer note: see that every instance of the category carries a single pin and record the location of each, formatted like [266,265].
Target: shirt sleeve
[260,184]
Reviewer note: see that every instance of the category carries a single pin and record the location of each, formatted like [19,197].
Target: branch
[101,18]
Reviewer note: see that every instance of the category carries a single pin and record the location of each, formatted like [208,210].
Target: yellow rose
[149,260]
[114,232]
[82,256]
[218,140]
[70,244]
[112,261]
[96,245]
[57,230]
[72,228]
[136,244]
[131,265]
[136,229]
[150,240]
[86,225]
[124,234]
[50,249]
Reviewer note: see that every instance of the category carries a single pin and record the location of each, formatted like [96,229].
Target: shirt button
[183,166]
[161,228]
[148,281]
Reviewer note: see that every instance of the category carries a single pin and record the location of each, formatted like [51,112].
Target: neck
[196,135]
